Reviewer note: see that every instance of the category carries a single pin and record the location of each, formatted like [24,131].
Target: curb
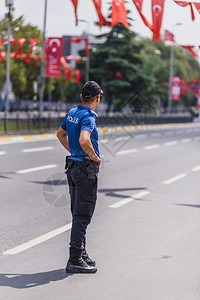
[101,131]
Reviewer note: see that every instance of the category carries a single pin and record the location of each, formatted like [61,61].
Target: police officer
[78,134]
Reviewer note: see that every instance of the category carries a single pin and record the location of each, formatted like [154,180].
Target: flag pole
[42,70]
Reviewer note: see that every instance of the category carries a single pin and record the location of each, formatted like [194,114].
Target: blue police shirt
[78,119]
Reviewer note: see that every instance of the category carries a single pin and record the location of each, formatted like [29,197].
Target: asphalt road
[144,235]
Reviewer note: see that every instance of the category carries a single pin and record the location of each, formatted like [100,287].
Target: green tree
[22,74]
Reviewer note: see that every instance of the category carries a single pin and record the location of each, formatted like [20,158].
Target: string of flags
[170,37]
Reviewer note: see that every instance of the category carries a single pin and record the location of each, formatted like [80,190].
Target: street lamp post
[87,68]
[171,69]
[42,70]
[9,4]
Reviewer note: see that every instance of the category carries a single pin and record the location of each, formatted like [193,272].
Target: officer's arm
[86,144]
[63,138]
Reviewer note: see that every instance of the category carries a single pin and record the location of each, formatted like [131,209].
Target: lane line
[130,199]
[155,134]
[104,141]
[41,239]
[140,136]
[36,169]
[37,149]
[128,151]
[152,147]
[197,168]
[119,139]
[2,152]
[140,195]
[185,140]
[122,202]
[175,178]
[171,143]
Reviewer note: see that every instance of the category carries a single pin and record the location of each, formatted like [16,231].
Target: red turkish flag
[119,13]
[169,36]
[75,3]
[184,4]
[102,19]
[176,88]
[190,48]
[197,5]
[138,4]
[26,57]
[157,15]
[53,50]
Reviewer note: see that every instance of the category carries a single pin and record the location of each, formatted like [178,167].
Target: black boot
[79,266]
[87,259]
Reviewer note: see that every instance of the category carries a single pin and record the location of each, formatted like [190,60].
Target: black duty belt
[89,166]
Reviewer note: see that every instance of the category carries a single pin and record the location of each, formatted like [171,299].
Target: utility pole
[9,4]
[42,70]
[87,67]
[171,64]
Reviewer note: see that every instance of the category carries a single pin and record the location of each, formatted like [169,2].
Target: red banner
[169,36]
[78,40]
[190,48]
[176,88]
[138,4]
[157,15]
[102,19]
[119,13]
[75,3]
[184,4]
[197,5]
[53,51]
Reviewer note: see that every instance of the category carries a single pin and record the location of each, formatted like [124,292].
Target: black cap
[91,89]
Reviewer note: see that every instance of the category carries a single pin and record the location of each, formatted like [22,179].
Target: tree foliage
[22,74]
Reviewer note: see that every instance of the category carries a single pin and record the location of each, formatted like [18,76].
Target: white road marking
[156,134]
[122,202]
[197,168]
[128,151]
[119,139]
[175,178]
[152,147]
[2,152]
[36,169]
[171,143]
[140,136]
[169,133]
[41,239]
[140,195]
[185,140]
[130,199]
[104,141]
[37,149]
[197,138]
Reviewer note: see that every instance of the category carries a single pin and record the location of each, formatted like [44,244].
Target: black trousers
[83,193]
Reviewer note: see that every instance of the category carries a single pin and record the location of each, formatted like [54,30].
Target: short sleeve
[88,123]
[63,124]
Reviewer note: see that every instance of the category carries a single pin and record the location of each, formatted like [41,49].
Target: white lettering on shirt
[72,119]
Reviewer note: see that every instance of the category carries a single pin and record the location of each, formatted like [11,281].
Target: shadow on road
[55,182]
[24,281]
[190,205]
[113,192]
